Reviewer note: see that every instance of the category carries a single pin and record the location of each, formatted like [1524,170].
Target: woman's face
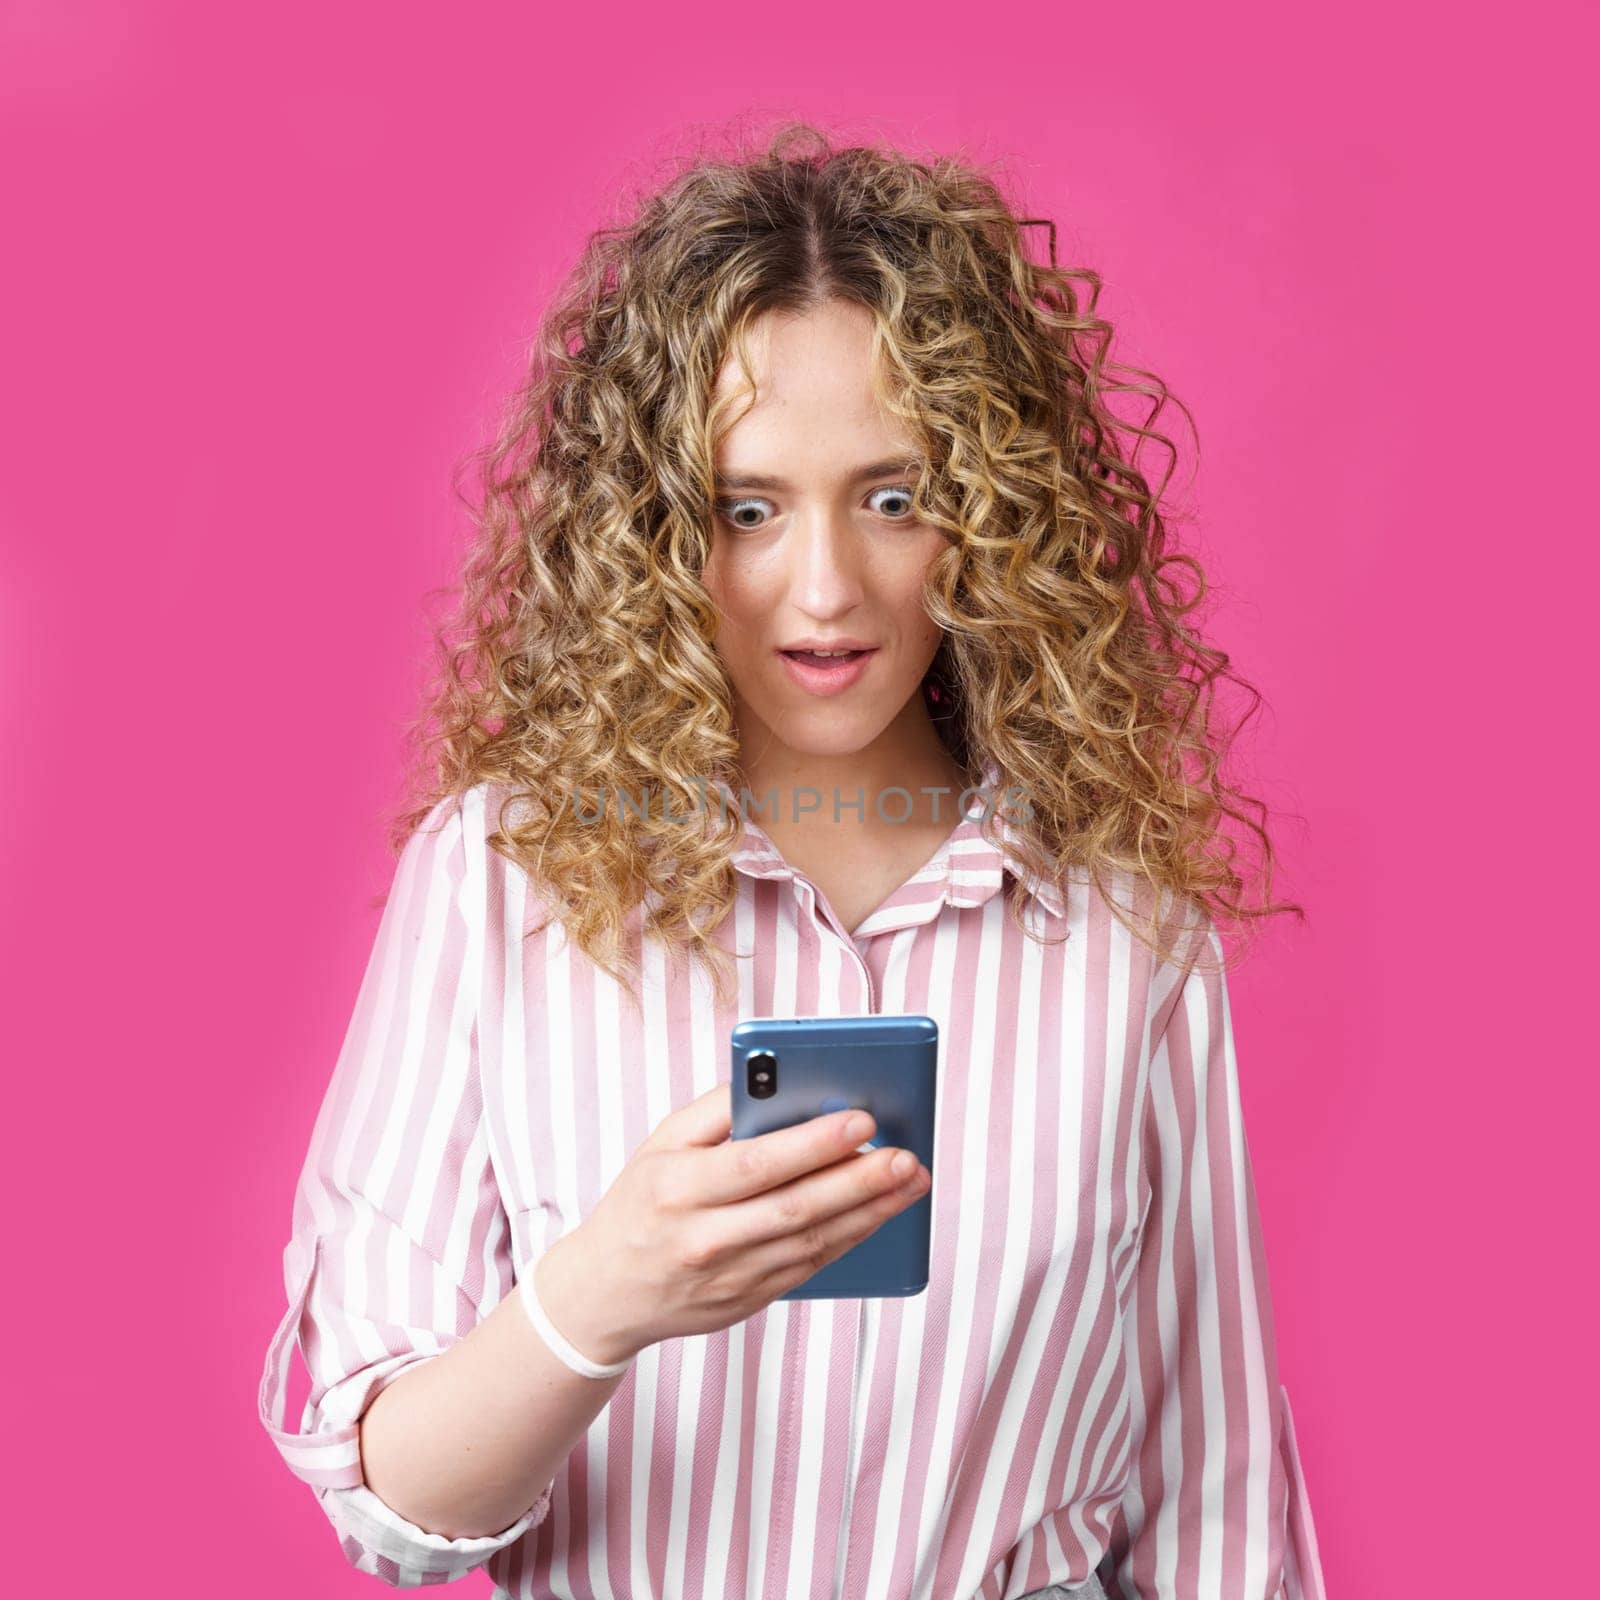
[823,551]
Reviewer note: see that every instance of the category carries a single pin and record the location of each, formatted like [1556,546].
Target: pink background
[269,272]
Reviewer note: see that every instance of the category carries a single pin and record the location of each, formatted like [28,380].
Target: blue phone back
[885,1064]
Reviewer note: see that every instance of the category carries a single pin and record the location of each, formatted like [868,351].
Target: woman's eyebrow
[874,469]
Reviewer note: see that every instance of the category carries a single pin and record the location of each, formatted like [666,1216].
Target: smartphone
[791,1069]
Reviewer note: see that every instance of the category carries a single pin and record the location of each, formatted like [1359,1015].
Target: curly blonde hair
[581,658]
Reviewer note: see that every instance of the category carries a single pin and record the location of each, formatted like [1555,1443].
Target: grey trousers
[1090,1589]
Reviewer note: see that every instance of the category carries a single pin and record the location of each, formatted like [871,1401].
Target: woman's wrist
[572,1321]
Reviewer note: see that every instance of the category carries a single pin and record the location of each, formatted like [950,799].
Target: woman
[813,492]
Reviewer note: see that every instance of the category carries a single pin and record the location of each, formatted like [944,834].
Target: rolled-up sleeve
[400,1243]
[1216,1502]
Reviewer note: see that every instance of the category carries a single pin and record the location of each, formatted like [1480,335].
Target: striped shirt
[1088,1381]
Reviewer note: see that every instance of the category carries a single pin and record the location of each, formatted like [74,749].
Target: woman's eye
[900,492]
[734,511]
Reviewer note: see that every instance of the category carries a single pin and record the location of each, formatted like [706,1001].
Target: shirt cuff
[328,1457]
[358,1513]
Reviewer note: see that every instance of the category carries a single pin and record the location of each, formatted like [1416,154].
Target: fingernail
[856,1127]
[903,1164]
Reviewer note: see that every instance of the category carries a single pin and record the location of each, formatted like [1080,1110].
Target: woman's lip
[826,678]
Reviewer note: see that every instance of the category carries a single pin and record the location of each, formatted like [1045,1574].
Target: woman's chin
[824,733]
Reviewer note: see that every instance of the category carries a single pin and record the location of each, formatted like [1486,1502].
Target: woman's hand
[700,1230]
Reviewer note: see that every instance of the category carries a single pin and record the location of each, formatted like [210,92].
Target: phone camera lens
[761,1074]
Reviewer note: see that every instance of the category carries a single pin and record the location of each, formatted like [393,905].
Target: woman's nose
[825,565]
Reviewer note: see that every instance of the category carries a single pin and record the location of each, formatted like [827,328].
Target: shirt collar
[967,869]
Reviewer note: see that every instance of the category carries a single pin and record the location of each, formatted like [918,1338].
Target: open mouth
[826,672]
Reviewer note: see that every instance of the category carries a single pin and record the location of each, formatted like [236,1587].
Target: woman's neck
[891,787]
